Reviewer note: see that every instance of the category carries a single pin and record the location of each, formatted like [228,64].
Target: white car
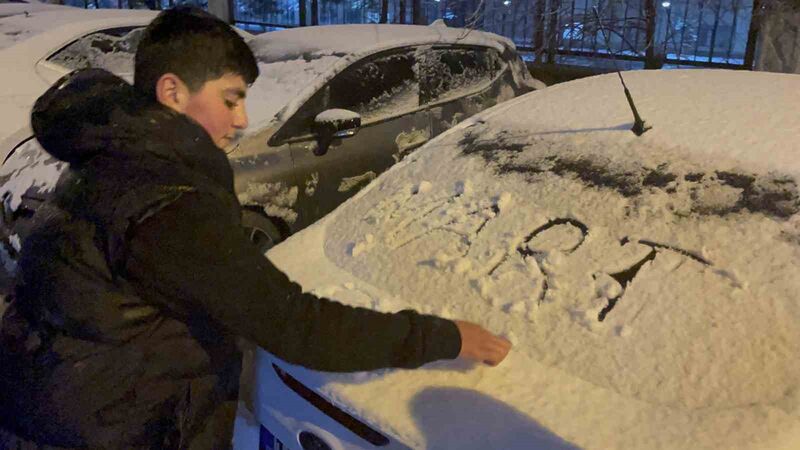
[37,48]
[649,284]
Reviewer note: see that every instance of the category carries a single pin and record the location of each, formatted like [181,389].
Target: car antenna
[639,126]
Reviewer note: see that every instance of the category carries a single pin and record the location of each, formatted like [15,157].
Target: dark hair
[195,46]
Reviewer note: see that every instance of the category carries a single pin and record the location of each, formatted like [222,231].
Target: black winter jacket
[137,278]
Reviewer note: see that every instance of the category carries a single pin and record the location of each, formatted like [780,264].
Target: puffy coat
[137,278]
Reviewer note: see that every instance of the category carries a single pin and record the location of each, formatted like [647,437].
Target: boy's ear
[172,92]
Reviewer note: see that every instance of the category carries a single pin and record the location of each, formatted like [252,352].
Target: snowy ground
[649,284]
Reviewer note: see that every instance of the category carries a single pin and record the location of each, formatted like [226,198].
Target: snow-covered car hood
[545,215]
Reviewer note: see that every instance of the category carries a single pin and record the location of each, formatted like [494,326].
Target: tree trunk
[538,30]
[480,14]
[417,12]
[384,11]
[314,12]
[301,10]
[402,11]
[514,11]
[552,31]
[651,59]
[752,35]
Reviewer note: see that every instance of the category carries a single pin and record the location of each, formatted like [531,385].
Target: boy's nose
[240,118]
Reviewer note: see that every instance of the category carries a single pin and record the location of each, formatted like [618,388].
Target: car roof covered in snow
[60,24]
[15,8]
[348,39]
[649,284]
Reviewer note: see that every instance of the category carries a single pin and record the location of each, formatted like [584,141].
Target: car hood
[648,283]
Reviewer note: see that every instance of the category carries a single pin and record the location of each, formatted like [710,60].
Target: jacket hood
[93,113]
[69,119]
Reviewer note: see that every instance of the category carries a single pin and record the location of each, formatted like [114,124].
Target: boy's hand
[480,345]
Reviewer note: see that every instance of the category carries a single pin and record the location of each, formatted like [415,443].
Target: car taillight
[359,428]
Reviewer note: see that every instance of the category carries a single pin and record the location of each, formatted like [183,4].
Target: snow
[311,184]
[281,83]
[277,199]
[408,141]
[336,115]
[19,27]
[357,38]
[350,183]
[546,213]
[28,168]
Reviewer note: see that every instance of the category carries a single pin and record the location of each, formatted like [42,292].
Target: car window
[377,87]
[447,73]
[111,49]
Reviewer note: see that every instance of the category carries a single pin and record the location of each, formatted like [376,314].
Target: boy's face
[219,107]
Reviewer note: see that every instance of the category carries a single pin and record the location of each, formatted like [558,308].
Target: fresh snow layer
[283,82]
[536,217]
[41,18]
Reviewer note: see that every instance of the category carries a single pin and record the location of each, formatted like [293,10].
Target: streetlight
[666,4]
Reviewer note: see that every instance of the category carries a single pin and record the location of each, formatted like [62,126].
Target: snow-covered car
[649,284]
[333,107]
[40,43]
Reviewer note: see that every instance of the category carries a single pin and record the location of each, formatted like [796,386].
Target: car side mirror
[334,124]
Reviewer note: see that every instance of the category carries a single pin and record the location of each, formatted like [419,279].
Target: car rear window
[111,49]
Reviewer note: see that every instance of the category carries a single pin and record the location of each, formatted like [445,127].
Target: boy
[137,279]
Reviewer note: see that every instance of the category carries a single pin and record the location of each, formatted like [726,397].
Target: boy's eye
[230,104]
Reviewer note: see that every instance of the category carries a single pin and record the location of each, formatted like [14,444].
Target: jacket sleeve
[192,259]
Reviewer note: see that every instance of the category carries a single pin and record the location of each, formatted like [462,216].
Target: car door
[459,81]
[384,90]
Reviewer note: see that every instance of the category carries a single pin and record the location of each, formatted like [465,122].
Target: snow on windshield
[649,286]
